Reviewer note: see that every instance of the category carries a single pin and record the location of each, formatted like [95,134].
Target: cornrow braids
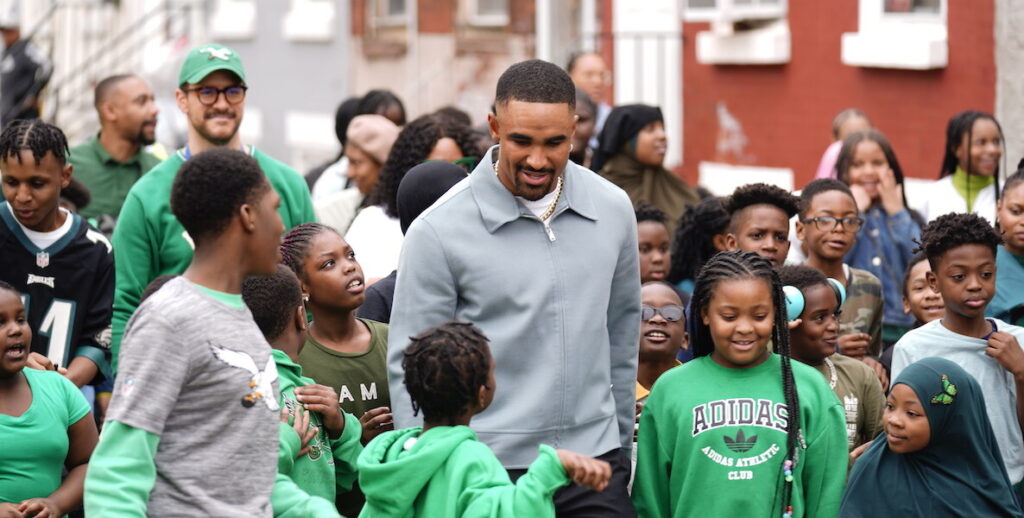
[734,265]
[411,148]
[295,245]
[953,230]
[36,136]
[445,366]
[692,245]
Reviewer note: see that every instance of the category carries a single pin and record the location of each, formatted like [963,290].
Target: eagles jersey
[67,288]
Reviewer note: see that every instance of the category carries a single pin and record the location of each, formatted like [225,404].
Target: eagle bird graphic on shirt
[261,385]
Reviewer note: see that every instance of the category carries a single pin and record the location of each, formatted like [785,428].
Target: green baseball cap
[206,59]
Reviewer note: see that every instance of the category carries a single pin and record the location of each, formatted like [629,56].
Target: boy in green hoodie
[322,462]
[441,469]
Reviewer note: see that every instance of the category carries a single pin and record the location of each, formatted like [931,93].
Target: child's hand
[8,510]
[855,345]
[323,399]
[890,192]
[879,369]
[861,197]
[585,471]
[40,508]
[1006,350]
[375,422]
[301,427]
[856,453]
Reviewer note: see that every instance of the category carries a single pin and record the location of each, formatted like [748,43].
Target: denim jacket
[884,246]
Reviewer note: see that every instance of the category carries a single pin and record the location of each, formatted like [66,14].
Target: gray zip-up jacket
[561,308]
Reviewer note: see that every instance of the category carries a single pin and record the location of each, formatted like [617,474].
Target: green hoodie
[446,471]
[330,465]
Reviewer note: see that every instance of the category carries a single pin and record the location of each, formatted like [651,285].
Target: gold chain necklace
[551,208]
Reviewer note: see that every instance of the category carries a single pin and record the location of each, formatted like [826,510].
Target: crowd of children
[874,370]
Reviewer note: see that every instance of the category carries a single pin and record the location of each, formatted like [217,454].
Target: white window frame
[767,44]
[485,20]
[388,19]
[728,10]
[915,41]
[309,21]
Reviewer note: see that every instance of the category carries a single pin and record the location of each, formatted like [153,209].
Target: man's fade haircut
[211,186]
[954,230]
[761,194]
[445,366]
[822,185]
[535,81]
[272,300]
[106,87]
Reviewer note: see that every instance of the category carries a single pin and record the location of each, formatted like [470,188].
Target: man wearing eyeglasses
[148,240]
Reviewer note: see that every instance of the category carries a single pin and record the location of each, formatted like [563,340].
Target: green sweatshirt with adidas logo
[712,441]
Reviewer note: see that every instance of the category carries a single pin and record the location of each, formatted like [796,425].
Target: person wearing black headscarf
[958,471]
[419,189]
[630,154]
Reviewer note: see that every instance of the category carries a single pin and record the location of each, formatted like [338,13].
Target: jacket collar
[498,206]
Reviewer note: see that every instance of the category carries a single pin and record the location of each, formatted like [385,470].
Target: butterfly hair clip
[948,392]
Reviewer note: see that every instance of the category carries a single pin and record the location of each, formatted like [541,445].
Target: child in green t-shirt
[441,469]
[723,435]
[45,425]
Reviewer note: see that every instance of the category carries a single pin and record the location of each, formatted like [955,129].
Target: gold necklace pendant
[558,191]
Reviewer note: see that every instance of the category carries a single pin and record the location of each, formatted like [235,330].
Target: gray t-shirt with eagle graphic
[197,371]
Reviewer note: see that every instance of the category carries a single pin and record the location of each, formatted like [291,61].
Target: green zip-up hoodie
[149,241]
[330,465]
[446,471]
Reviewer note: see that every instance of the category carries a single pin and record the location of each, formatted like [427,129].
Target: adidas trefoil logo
[741,443]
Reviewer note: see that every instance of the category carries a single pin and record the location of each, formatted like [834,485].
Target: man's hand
[1006,350]
[323,399]
[854,345]
[585,471]
[42,363]
[375,422]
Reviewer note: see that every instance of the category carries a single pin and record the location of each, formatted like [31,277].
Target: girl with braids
[441,469]
[345,353]
[376,231]
[969,177]
[722,435]
[700,234]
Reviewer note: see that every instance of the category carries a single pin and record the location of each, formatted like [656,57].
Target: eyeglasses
[672,313]
[827,223]
[208,95]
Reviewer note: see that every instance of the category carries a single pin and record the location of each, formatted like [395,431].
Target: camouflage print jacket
[862,311]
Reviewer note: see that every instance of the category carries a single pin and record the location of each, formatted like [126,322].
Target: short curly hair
[411,148]
[647,212]
[272,300]
[445,366]
[822,185]
[211,186]
[761,194]
[954,230]
[535,81]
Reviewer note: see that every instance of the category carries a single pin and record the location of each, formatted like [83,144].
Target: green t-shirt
[150,242]
[107,179]
[712,441]
[860,393]
[361,379]
[34,445]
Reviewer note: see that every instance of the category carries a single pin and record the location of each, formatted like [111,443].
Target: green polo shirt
[107,179]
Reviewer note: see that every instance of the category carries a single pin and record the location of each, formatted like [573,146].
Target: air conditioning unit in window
[743,32]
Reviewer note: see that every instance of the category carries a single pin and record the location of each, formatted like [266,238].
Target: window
[389,12]
[488,12]
[908,34]
[743,32]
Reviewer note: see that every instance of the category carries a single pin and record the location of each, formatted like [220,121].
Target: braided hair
[295,245]
[692,245]
[36,136]
[412,147]
[445,366]
[959,125]
[735,265]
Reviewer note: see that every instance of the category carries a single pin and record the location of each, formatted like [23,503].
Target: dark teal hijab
[959,473]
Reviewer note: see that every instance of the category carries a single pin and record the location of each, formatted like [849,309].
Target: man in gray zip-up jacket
[541,254]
